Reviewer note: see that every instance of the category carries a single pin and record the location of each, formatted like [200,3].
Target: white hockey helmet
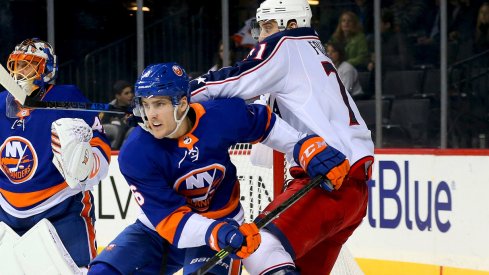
[285,10]
[37,55]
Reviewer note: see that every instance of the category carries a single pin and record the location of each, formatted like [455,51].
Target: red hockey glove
[245,238]
[318,158]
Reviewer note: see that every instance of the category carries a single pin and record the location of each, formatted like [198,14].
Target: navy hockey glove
[245,239]
[318,158]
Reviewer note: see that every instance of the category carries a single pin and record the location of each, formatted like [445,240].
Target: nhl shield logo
[18,159]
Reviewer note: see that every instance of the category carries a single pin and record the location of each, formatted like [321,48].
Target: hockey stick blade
[216,259]
[11,86]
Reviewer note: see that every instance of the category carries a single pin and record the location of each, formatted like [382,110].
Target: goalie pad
[40,251]
[8,238]
[73,156]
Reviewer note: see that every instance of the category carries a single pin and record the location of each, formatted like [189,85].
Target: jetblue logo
[418,204]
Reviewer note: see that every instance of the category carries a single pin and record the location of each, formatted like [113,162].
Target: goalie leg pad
[40,251]
[8,238]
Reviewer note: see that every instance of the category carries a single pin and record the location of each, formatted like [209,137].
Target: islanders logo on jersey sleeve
[199,186]
[19,159]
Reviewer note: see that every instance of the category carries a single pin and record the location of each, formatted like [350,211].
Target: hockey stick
[216,259]
[14,89]
[11,86]
[71,106]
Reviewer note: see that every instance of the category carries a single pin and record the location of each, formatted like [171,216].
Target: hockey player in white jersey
[290,63]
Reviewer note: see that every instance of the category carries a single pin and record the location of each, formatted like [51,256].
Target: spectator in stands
[365,12]
[408,15]
[349,32]
[482,29]
[218,58]
[123,92]
[427,46]
[243,41]
[348,73]
[462,16]
[459,18]
[396,54]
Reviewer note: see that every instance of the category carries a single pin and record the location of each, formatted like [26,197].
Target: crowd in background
[92,40]
[410,39]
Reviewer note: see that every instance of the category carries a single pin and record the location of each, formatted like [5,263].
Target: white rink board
[115,207]
[459,239]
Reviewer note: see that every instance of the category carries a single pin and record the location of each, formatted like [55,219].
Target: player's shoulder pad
[223,104]
[141,144]
[3,94]
[65,93]
[273,39]
[197,83]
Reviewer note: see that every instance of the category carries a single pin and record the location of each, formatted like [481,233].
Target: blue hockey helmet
[163,79]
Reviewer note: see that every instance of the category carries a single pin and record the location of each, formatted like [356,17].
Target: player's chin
[159,132]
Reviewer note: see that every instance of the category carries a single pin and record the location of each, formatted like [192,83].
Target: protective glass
[14,109]
[255,29]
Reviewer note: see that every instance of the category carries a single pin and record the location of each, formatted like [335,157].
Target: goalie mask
[282,11]
[32,64]
[164,79]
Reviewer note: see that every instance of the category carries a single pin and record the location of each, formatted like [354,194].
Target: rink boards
[428,213]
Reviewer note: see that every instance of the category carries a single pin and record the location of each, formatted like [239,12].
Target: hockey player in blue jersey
[50,160]
[179,170]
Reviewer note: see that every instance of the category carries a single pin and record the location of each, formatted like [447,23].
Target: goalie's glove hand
[245,239]
[318,158]
[73,156]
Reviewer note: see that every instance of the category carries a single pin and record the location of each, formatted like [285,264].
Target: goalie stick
[216,259]
[14,89]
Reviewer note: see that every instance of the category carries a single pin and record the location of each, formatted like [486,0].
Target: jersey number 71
[329,68]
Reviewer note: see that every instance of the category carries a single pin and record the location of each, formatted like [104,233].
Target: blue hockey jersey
[29,182]
[183,184]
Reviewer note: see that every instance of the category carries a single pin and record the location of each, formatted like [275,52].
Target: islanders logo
[18,159]
[177,70]
[198,186]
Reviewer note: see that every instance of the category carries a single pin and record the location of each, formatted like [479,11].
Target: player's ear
[292,24]
[183,103]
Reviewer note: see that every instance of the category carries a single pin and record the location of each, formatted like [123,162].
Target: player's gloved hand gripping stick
[316,181]
[316,157]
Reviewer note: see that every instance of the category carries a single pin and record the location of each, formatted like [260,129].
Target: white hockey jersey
[292,66]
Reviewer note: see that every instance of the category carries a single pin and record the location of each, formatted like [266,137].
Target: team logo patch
[187,140]
[110,247]
[198,186]
[18,159]
[177,70]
